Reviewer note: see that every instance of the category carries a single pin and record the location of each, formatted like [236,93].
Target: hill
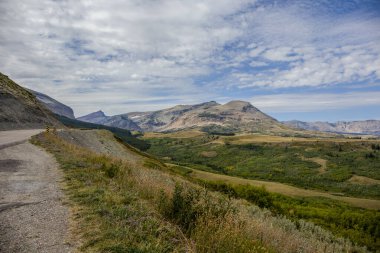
[371,127]
[54,105]
[20,109]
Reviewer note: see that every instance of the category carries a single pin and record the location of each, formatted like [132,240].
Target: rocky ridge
[371,127]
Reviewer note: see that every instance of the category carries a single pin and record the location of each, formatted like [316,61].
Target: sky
[305,60]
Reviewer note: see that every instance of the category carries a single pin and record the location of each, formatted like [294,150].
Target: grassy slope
[284,189]
[360,225]
[121,207]
[295,159]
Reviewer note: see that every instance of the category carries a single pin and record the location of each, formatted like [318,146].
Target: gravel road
[33,217]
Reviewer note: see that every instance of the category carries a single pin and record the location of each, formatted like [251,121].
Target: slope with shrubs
[126,207]
[286,162]
[123,135]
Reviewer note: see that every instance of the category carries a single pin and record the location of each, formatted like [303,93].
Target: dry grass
[363,180]
[209,154]
[285,189]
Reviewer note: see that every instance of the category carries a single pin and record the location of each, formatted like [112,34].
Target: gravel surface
[100,141]
[33,217]
[10,138]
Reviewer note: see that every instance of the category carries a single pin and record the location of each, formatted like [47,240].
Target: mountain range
[22,108]
[120,121]
[371,127]
[237,116]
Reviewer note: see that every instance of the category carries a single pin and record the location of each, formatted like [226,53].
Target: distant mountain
[120,121]
[235,116]
[54,105]
[353,127]
[20,109]
[95,117]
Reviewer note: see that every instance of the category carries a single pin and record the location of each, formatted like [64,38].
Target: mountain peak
[98,116]
[210,103]
[238,103]
[120,121]
[98,113]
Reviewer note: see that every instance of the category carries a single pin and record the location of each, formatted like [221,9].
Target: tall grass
[122,207]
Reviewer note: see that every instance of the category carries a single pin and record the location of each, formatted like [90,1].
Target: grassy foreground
[141,208]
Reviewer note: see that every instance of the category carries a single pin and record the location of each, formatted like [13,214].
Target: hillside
[54,105]
[120,121]
[20,109]
[371,127]
[139,204]
[311,174]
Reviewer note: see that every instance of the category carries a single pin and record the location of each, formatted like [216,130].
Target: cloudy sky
[307,60]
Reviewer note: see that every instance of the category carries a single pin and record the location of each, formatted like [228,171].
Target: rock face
[20,109]
[238,116]
[95,117]
[120,121]
[53,105]
[354,127]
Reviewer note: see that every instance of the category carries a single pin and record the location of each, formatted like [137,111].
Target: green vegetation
[360,225]
[219,130]
[293,163]
[289,162]
[120,207]
[122,134]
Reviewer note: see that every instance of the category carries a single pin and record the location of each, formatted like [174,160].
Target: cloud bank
[131,55]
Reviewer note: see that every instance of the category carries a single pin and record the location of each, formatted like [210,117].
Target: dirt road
[33,217]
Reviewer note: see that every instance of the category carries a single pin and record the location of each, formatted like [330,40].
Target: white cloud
[309,102]
[258,64]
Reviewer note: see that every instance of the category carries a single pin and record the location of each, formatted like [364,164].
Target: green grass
[360,225]
[288,163]
[281,162]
